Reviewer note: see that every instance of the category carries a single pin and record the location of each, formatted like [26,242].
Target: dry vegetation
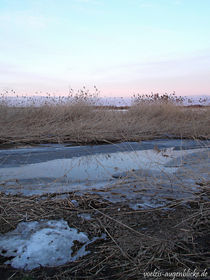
[78,120]
[137,241]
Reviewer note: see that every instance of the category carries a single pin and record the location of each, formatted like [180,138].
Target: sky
[124,47]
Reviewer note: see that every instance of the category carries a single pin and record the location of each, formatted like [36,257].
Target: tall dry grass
[137,241]
[79,120]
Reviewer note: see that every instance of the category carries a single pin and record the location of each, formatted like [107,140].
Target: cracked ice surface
[43,243]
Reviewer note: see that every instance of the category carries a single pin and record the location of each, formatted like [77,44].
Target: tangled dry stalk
[137,241]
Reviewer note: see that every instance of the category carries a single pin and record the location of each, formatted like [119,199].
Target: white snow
[43,243]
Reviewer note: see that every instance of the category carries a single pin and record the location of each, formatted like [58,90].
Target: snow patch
[85,216]
[43,243]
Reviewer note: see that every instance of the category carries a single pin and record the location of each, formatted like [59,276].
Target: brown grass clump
[78,120]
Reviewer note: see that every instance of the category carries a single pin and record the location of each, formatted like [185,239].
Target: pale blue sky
[121,46]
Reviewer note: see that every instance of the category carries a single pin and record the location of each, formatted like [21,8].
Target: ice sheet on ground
[43,243]
[142,178]
[85,172]
[152,188]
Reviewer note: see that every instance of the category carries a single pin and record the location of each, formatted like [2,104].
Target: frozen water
[85,172]
[43,243]
[146,174]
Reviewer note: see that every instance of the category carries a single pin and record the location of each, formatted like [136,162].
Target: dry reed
[80,121]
